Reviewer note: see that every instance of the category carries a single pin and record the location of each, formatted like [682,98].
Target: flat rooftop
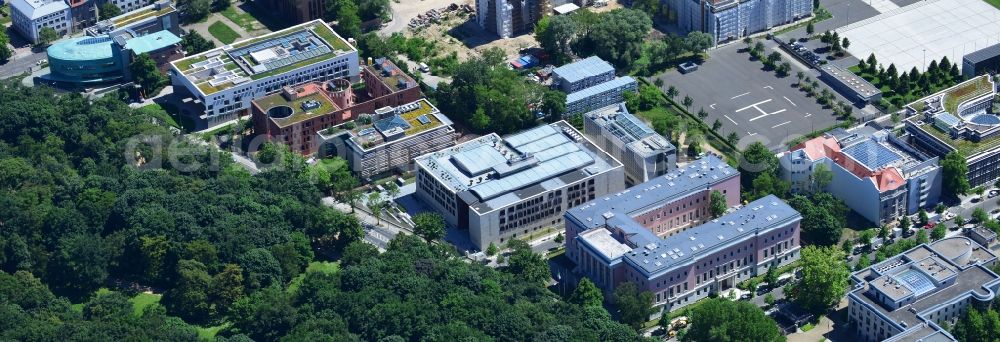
[391,75]
[269,55]
[938,28]
[491,172]
[945,104]
[858,84]
[302,108]
[403,121]
[630,130]
[584,68]
[601,241]
[757,217]
[138,15]
[916,272]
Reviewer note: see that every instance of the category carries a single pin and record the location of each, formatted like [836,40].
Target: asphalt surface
[746,99]
[843,12]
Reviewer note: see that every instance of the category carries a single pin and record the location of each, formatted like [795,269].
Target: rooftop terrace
[402,121]
[269,55]
[301,108]
[630,130]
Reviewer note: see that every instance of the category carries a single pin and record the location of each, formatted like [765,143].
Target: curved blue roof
[986,119]
[81,49]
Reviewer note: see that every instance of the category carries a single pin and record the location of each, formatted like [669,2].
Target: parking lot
[754,103]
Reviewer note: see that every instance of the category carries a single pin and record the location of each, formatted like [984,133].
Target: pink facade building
[661,236]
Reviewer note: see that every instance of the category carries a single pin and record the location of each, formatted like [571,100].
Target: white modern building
[395,138]
[508,188]
[28,17]
[910,296]
[221,82]
[876,174]
[644,154]
[728,20]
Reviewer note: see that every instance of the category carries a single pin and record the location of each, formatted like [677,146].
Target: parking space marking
[754,106]
[808,115]
[790,101]
[731,119]
[779,125]
[734,97]
[751,134]
[776,112]
[712,106]
[769,87]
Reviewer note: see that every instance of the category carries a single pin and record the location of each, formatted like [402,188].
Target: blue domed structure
[85,60]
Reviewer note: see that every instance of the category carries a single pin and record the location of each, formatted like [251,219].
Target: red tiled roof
[827,147]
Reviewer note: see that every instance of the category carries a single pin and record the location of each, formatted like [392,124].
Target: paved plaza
[914,35]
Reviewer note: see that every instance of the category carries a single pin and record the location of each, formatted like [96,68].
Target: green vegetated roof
[966,91]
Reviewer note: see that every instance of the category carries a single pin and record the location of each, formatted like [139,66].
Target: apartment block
[644,153]
[582,74]
[660,235]
[221,83]
[875,173]
[508,18]
[506,188]
[28,17]
[395,137]
[729,20]
[340,101]
[960,119]
[910,296]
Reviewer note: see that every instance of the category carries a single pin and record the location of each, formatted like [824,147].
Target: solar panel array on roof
[542,171]
[391,122]
[633,126]
[872,154]
[300,46]
[530,135]
[423,120]
[588,67]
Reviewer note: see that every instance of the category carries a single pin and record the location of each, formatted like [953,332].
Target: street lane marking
[754,106]
[790,101]
[778,125]
[734,97]
[731,119]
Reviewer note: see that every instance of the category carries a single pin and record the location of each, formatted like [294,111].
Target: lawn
[223,32]
[208,333]
[169,115]
[315,266]
[244,19]
[4,14]
[143,300]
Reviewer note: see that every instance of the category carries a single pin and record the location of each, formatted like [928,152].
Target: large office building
[960,119]
[29,17]
[83,13]
[661,236]
[879,176]
[644,154]
[852,86]
[297,11]
[729,20]
[600,95]
[983,61]
[395,137]
[385,85]
[910,296]
[508,18]
[507,188]
[221,83]
[582,74]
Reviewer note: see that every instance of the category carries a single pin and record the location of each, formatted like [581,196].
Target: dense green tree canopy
[719,319]
[824,278]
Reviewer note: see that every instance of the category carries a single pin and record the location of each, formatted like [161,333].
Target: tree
[717,204]
[697,42]
[671,92]
[492,249]
[938,232]
[771,277]
[687,102]
[800,76]
[822,177]
[108,10]
[959,221]
[617,37]
[260,268]
[716,125]
[587,294]
[526,263]
[810,29]
[747,40]
[824,278]
[376,203]
[195,10]
[188,298]
[429,226]
[5,51]
[755,161]
[195,43]
[979,215]
[554,34]
[866,238]
[147,75]
[634,307]
[921,237]
[713,320]
[954,170]
[732,138]
[769,299]
[348,19]
[922,218]
[219,5]
[702,114]
[906,225]
[559,238]
[47,35]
